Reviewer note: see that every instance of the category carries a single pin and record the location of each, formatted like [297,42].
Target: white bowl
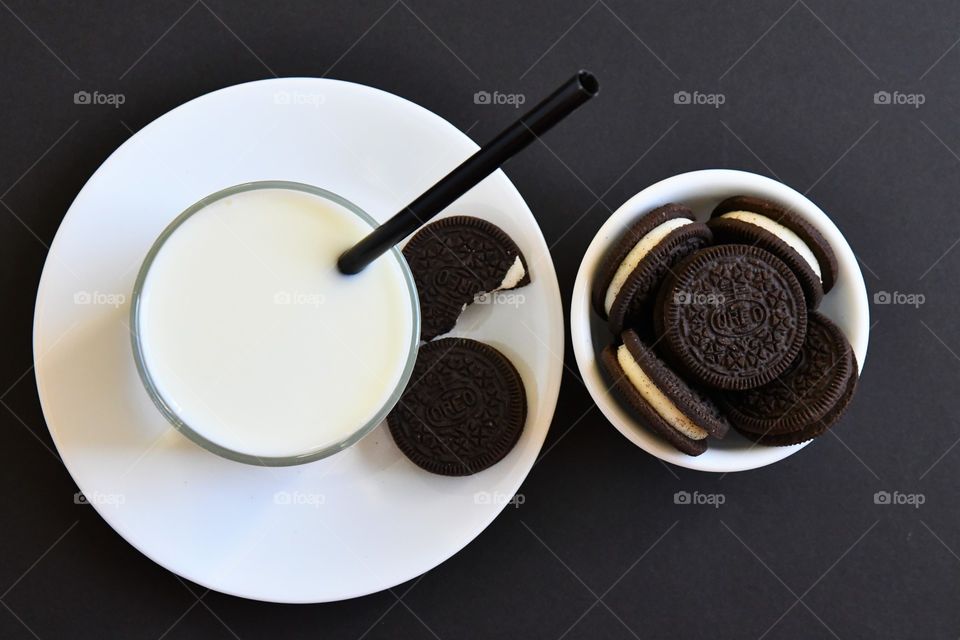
[846,305]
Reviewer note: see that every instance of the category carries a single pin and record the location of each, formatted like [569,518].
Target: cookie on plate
[625,286]
[805,400]
[731,317]
[666,404]
[456,261]
[463,410]
[782,232]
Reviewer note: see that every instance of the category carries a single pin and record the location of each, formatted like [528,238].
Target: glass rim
[166,407]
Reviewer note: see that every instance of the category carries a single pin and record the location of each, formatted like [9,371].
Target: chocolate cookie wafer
[625,287]
[807,398]
[784,233]
[463,411]
[731,317]
[665,403]
[455,261]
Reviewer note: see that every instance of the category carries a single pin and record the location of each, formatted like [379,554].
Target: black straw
[488,159]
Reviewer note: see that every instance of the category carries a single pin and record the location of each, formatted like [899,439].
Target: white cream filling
[787,235]
[656,398]
[514,275]
[641,249]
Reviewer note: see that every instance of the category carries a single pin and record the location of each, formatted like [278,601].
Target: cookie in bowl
[807,399]
[782,232]
[731,317]
[626,283]
[668,406]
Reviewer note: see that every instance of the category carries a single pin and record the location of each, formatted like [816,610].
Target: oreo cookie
[666,404]
[624,289]
[812,430]
[456,261]
[782,232]
[463,411]
[807,399]
[731,317]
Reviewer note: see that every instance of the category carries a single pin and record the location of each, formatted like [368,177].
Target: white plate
[846,304]
[358,522]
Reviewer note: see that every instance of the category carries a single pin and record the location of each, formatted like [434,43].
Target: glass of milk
[252,343]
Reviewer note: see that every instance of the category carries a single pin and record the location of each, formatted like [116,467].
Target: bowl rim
[855,314]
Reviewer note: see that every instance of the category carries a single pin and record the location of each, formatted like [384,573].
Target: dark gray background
[598,548]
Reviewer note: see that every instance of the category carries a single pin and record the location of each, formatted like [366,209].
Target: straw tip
[588,82]
[348,266]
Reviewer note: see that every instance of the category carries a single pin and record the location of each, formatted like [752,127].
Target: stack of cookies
[715,325]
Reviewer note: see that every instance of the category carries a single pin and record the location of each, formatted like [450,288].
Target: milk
[255,340]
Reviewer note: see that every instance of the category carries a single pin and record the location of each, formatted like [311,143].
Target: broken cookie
[456,261]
